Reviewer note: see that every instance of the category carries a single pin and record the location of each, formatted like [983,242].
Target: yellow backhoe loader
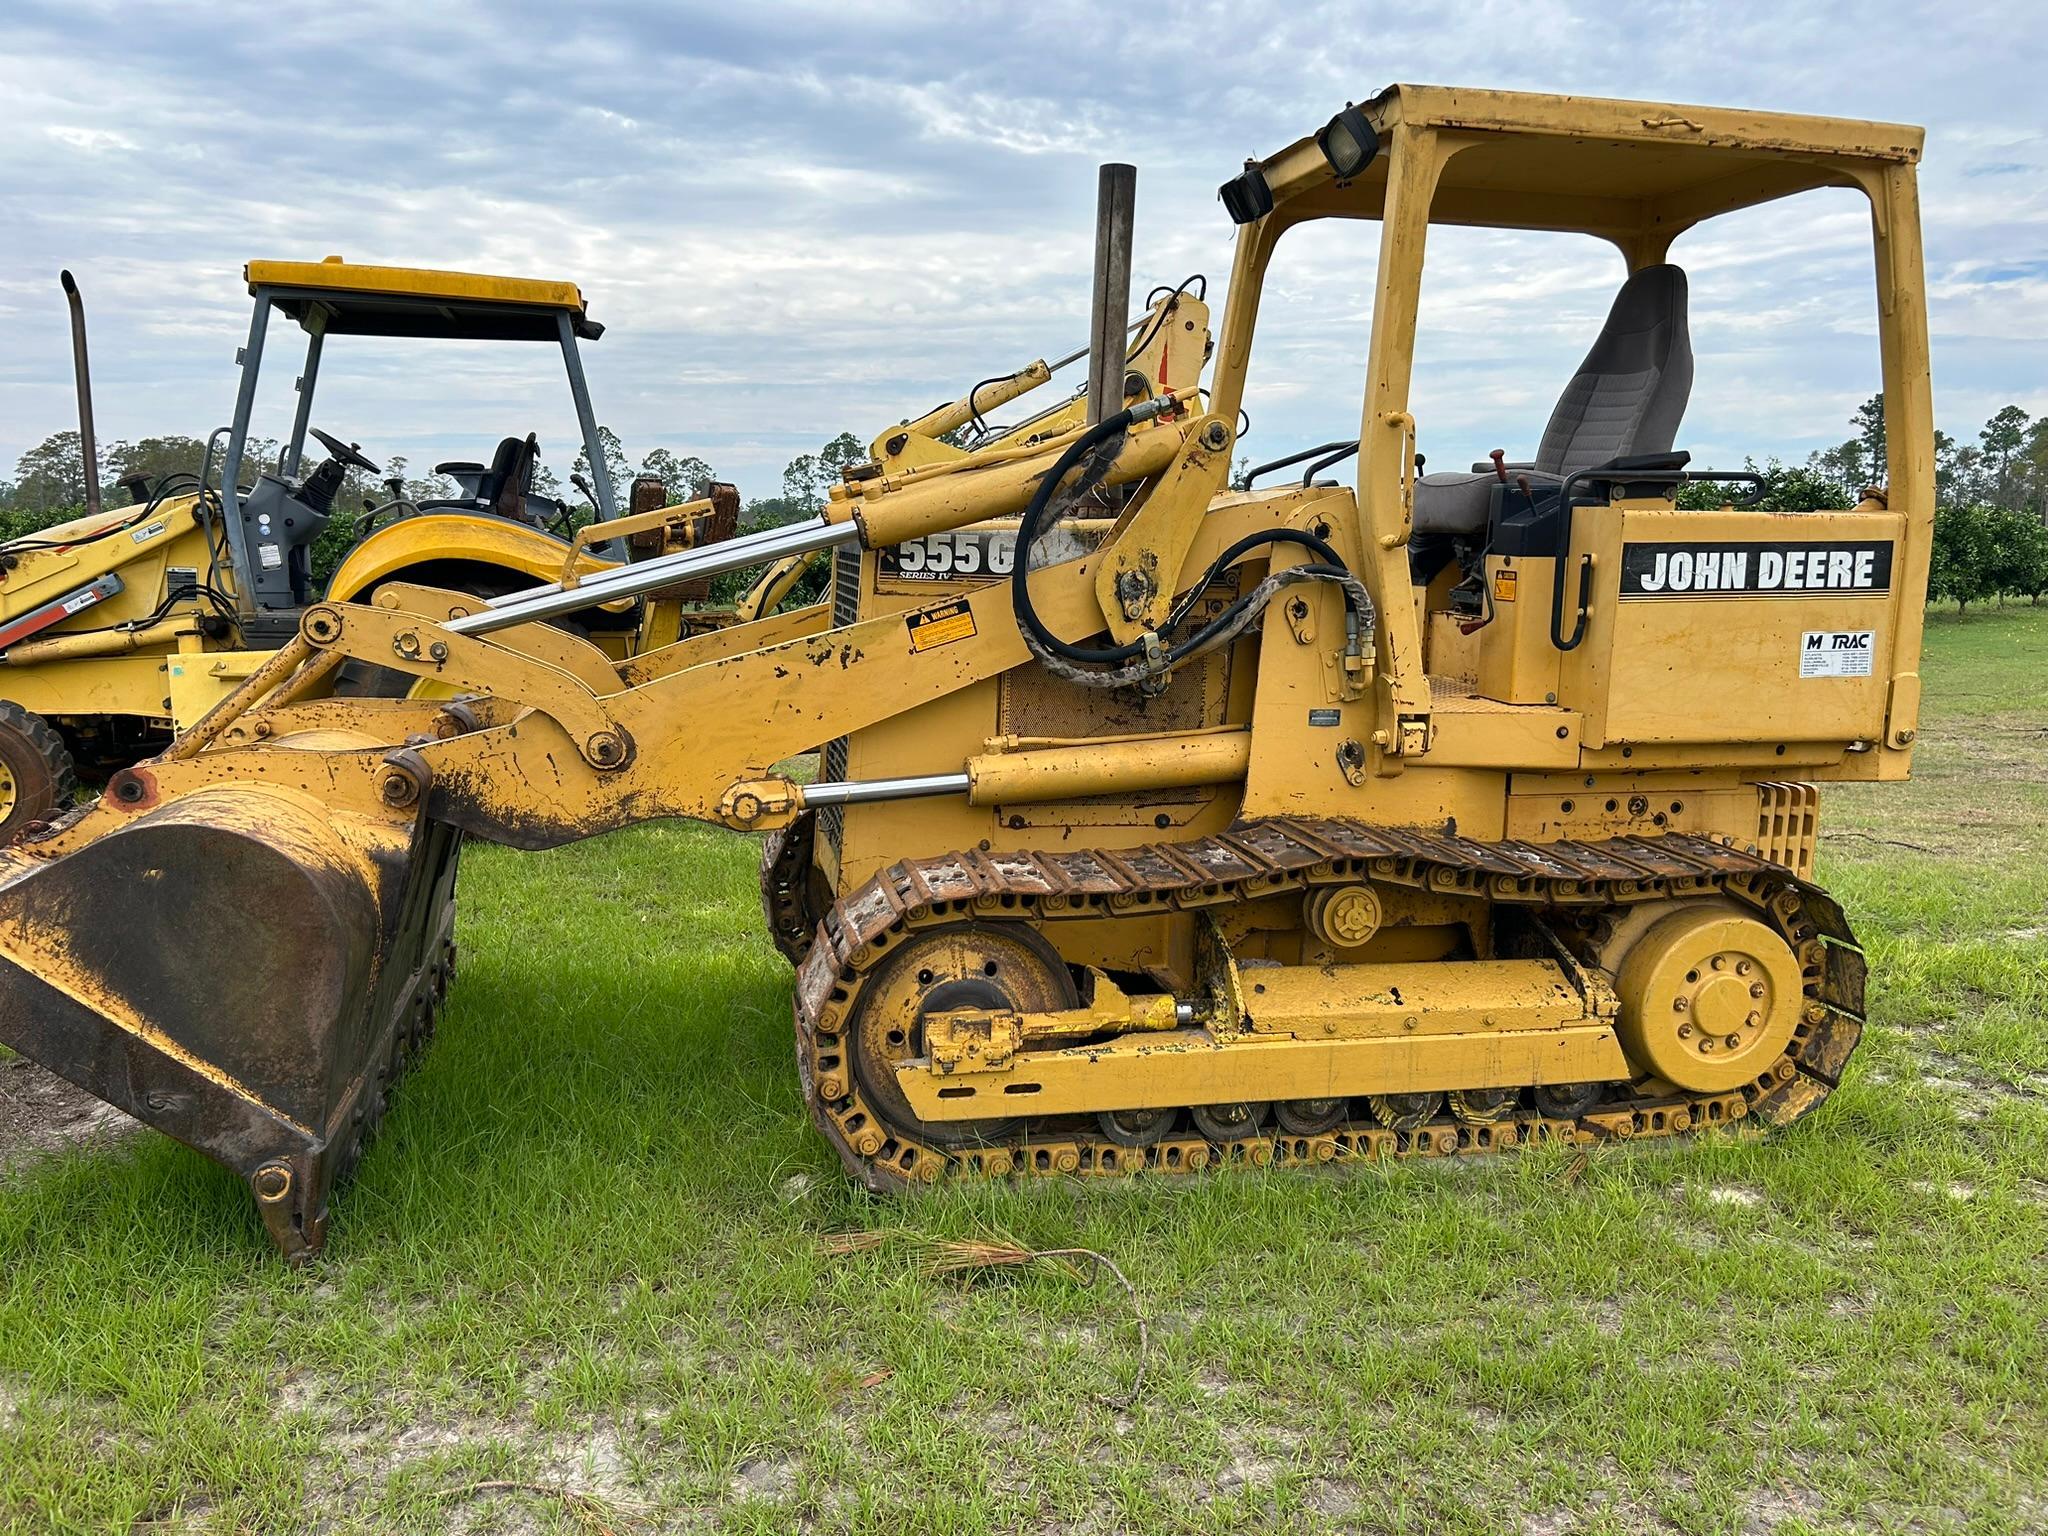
[125,624]
[1169,826]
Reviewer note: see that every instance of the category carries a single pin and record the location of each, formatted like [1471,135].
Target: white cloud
[801,219]
[91,141]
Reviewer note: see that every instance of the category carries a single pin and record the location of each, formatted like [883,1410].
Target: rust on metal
[132,967]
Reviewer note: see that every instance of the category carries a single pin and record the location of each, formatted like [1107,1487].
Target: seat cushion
[1457,503]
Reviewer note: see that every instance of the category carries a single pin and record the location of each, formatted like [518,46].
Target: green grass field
[581,1282]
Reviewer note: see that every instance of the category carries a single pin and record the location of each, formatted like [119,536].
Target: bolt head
[272,1182]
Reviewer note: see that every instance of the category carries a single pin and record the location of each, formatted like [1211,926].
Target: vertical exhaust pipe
[1109,318]
[88,444]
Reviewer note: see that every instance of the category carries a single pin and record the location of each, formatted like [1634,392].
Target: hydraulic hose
[1034,515]
[1330,565]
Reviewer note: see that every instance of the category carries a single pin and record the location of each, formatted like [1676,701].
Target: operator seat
[1627,398]
[502,488]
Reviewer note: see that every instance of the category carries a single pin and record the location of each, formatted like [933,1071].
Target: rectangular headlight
[1246,196]
[1348,142]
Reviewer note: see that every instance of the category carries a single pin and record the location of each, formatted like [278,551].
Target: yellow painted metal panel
[1194,1067]
[344,277]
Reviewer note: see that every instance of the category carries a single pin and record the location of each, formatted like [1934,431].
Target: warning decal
[1837,652]
[1504,586]
[934,627]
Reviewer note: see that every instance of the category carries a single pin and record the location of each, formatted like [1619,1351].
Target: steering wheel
[345,453]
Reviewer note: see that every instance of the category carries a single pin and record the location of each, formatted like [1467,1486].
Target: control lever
[1500,463]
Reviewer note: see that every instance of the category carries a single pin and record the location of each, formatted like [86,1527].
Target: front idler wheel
[1710,997]
[957,966]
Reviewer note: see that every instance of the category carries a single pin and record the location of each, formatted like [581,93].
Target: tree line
[1990,500]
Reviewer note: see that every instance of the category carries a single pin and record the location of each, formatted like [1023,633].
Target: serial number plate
[963,555]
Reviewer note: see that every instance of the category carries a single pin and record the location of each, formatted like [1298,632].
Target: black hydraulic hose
[1028,529]
[170,485]
[1041,499]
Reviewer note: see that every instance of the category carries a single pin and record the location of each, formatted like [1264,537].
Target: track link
[1272,856]
[785,886]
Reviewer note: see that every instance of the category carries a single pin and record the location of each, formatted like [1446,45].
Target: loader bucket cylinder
[239,969]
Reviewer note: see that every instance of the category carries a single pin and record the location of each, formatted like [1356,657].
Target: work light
[1348,142]
[1246,196]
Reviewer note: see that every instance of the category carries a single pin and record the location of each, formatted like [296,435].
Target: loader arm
[579,751]
[345,818]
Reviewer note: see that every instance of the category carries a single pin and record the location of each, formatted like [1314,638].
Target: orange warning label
[934,627]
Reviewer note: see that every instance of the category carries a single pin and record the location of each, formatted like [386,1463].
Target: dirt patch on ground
[41,1114]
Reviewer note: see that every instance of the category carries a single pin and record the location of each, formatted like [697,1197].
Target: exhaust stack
[88,443]
[1109,317]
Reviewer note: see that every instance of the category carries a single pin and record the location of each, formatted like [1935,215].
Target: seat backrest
[1630,393]
[511,498]
[504,486]
[504,464]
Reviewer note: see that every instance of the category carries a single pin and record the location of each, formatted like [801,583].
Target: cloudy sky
[798,219]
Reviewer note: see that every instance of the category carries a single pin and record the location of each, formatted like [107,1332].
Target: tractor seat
[502,488]
[1626,398]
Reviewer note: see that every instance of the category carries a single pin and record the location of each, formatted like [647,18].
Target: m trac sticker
[1837,652]
[1830,568]
[933,627]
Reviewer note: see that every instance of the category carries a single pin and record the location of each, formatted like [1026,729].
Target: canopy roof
[1611,168]
[341,298]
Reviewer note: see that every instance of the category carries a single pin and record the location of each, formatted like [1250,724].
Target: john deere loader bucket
[243,968]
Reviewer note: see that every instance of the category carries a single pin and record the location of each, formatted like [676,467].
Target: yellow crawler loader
[1163,825]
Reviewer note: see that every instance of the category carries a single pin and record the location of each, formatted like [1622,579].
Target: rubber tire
[36,759]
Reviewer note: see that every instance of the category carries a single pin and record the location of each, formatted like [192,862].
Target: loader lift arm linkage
[1392,880]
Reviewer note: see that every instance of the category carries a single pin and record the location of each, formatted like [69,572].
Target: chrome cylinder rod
[552,600]
[744,545]
[860,791]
